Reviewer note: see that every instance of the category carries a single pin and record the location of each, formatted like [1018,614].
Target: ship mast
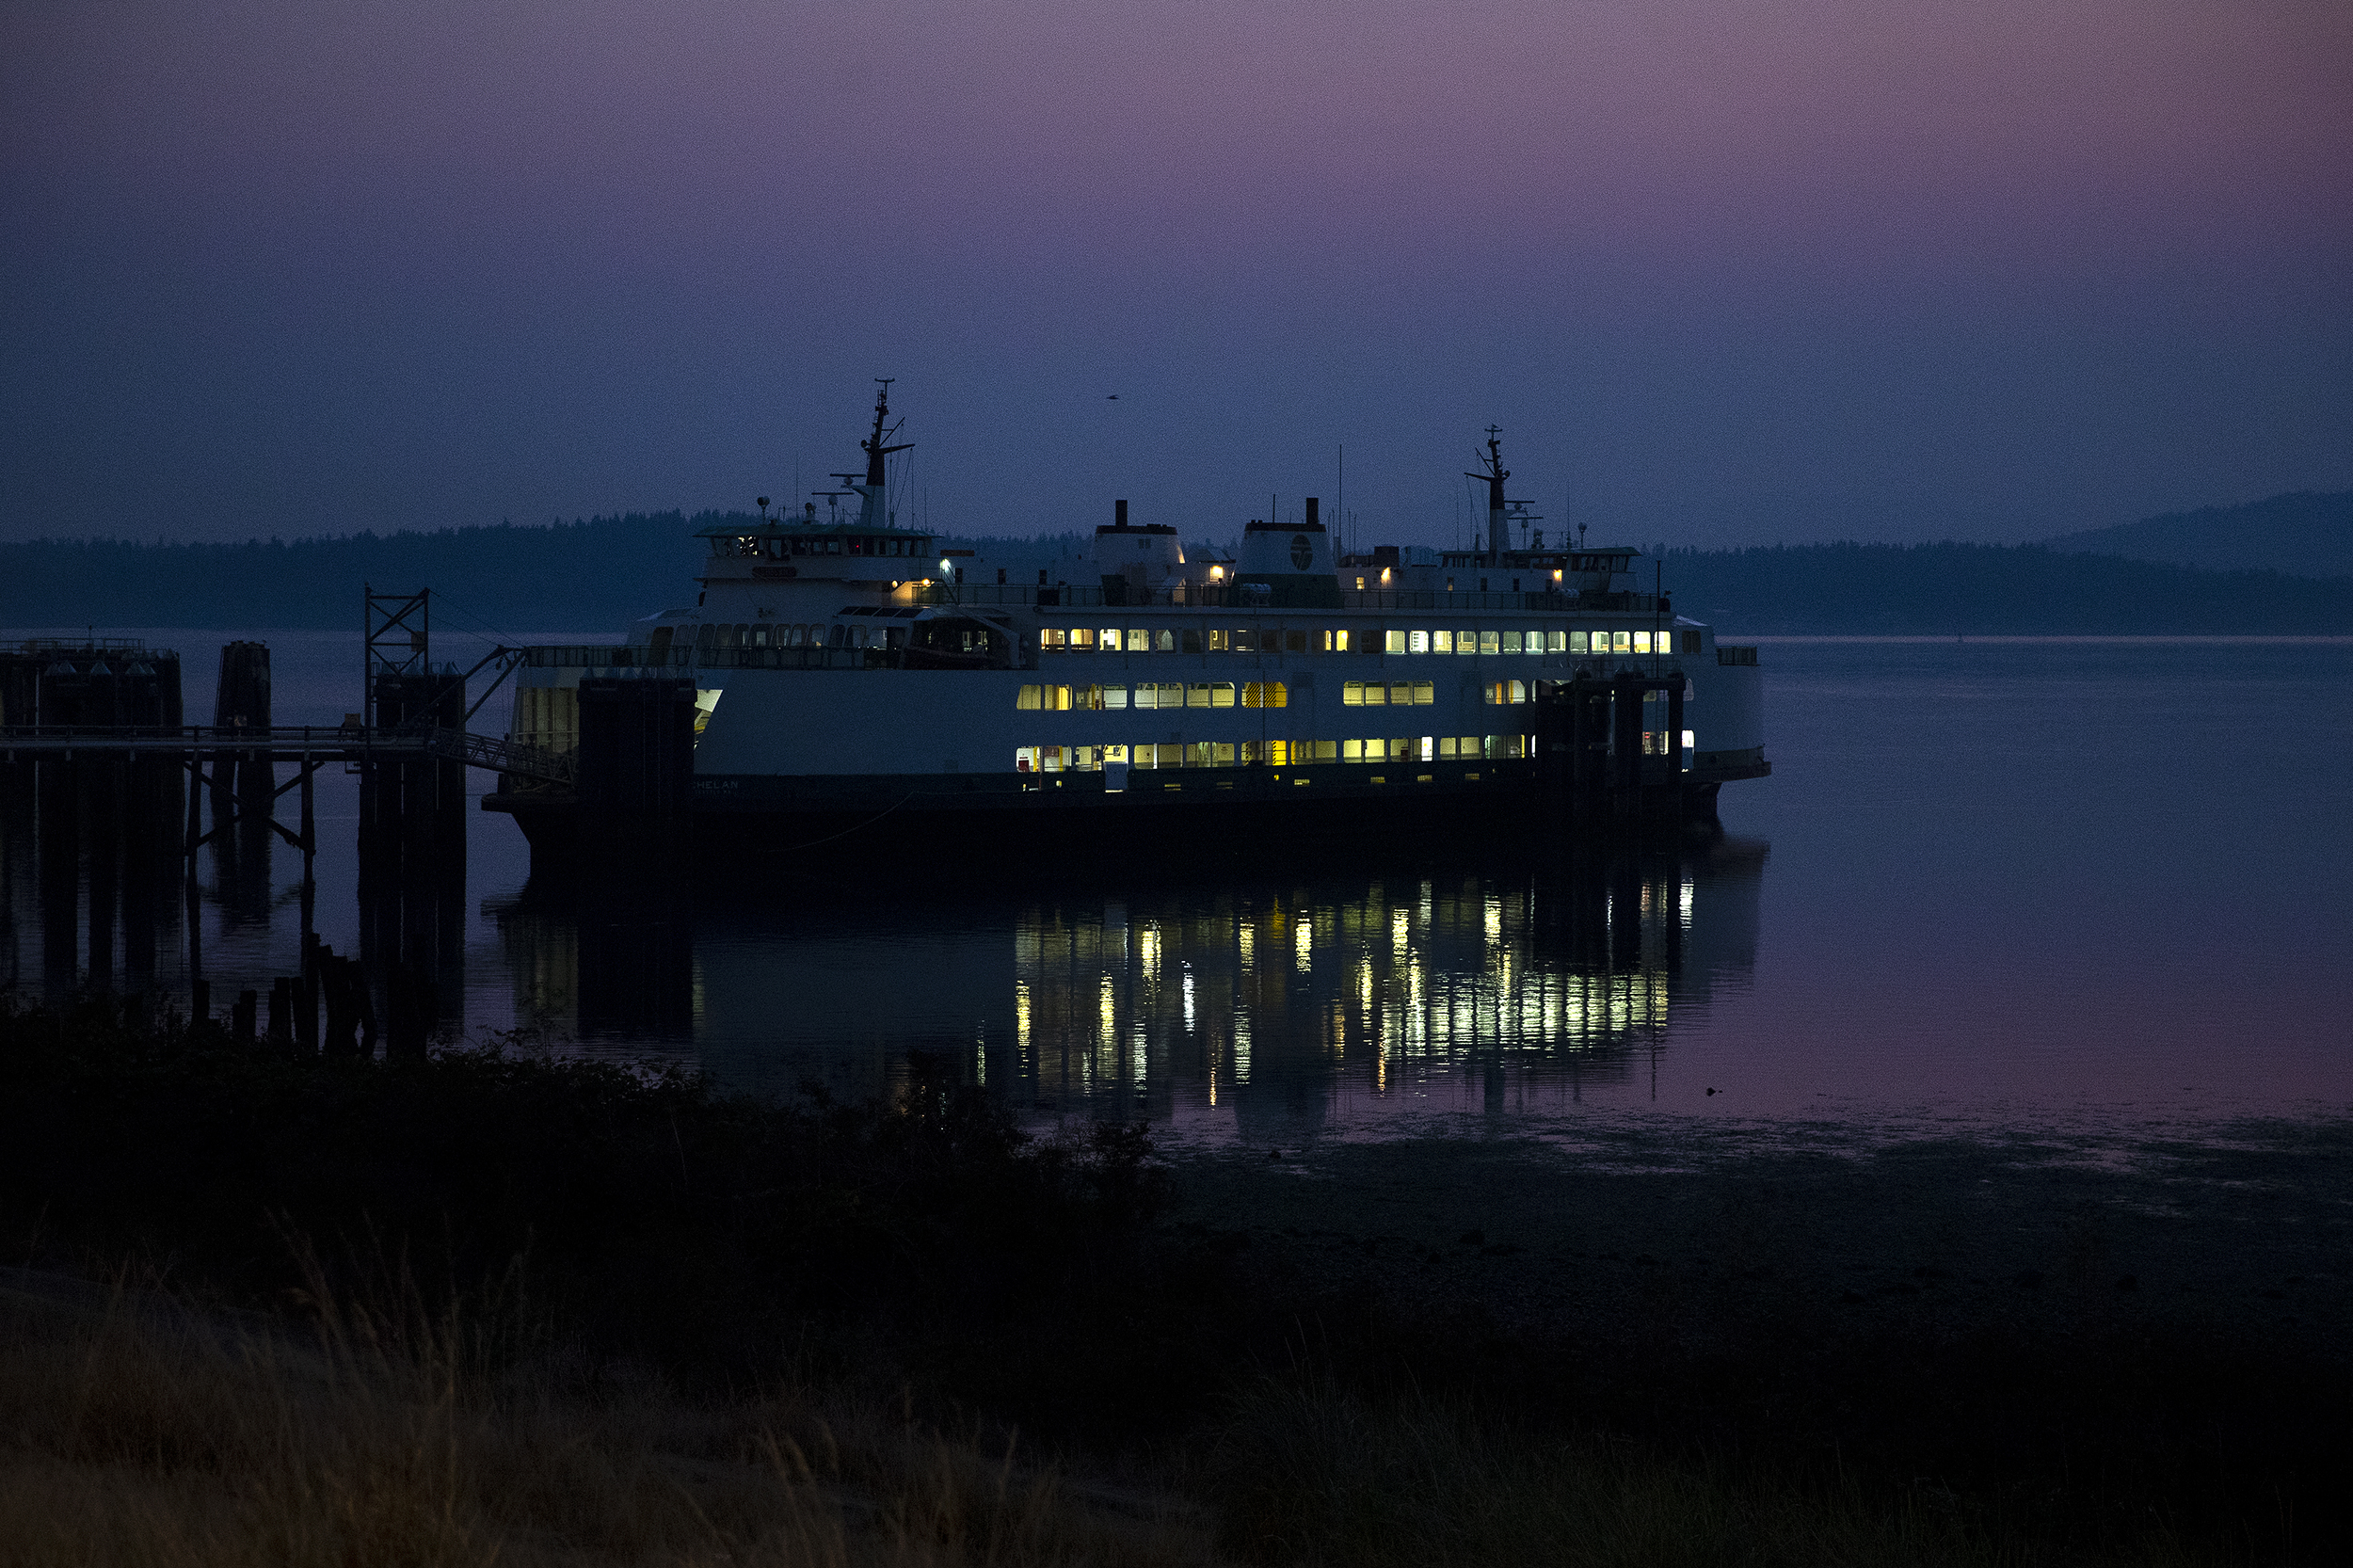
[876,447]
[1495,475]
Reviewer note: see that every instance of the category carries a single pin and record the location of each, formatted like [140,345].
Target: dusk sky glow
[1724,273]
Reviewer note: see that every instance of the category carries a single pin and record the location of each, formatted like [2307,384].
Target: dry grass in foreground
[134,1433]
[141,1433]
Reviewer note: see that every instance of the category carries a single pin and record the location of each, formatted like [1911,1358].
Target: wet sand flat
[1686,1235]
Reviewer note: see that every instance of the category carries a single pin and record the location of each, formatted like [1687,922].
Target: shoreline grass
[528,1309]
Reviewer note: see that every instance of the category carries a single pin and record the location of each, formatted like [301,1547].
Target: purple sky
[1724,272]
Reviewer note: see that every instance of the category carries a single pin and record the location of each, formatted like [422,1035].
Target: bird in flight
[1112,398]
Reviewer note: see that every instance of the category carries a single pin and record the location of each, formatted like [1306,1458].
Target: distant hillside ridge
[2305,533]
[606,572]
[1949,587]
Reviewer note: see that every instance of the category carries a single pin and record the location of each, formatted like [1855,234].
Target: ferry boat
[842,681]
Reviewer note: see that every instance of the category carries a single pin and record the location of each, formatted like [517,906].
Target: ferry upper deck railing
[1237,595]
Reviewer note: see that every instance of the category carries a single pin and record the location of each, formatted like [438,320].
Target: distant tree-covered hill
[604,572]
[1990,589]
[2306,535]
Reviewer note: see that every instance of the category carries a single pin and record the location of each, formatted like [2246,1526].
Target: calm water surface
[2019,883]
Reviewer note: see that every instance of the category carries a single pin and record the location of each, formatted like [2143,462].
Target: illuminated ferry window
[1577,642]
[1417,642]
[1352,694]
[1491,642]
[1556,642]
[1352,751]
[1642,642]
[1241,641]
[1114,754]
[1428,749]
[1510,642]
[1219,754]
[1465,642]
[1425,693]
[1139,640]
[1270,693]
[1082,636]
[1393,642]
[1166,641]
[1294,641]
[1441,642]
[1057,698]
[1217,639]
[1376,694]
[1621,642]
[1113,696]
[1401,694]
[1109,643]
[1049,636]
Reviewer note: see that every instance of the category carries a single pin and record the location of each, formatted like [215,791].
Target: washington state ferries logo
[1302,553]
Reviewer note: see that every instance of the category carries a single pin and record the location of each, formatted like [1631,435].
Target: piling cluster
[105,793]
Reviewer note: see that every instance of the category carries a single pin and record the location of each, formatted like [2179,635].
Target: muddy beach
[1692,1236]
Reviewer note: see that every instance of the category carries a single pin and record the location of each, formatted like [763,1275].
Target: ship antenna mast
[877,447]
[1495,475]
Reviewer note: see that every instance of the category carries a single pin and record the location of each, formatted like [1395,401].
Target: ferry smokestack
[1119,514]
[1313,506]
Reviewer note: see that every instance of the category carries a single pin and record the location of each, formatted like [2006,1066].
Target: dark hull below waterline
[1009,817]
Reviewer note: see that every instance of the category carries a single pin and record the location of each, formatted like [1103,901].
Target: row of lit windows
[1392,694]
[715,635]
[1196,694]
[1280,753]
[1253,693]
[1341,639]
[776,547]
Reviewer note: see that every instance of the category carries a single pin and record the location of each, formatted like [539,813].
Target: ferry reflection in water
[1261,1008]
